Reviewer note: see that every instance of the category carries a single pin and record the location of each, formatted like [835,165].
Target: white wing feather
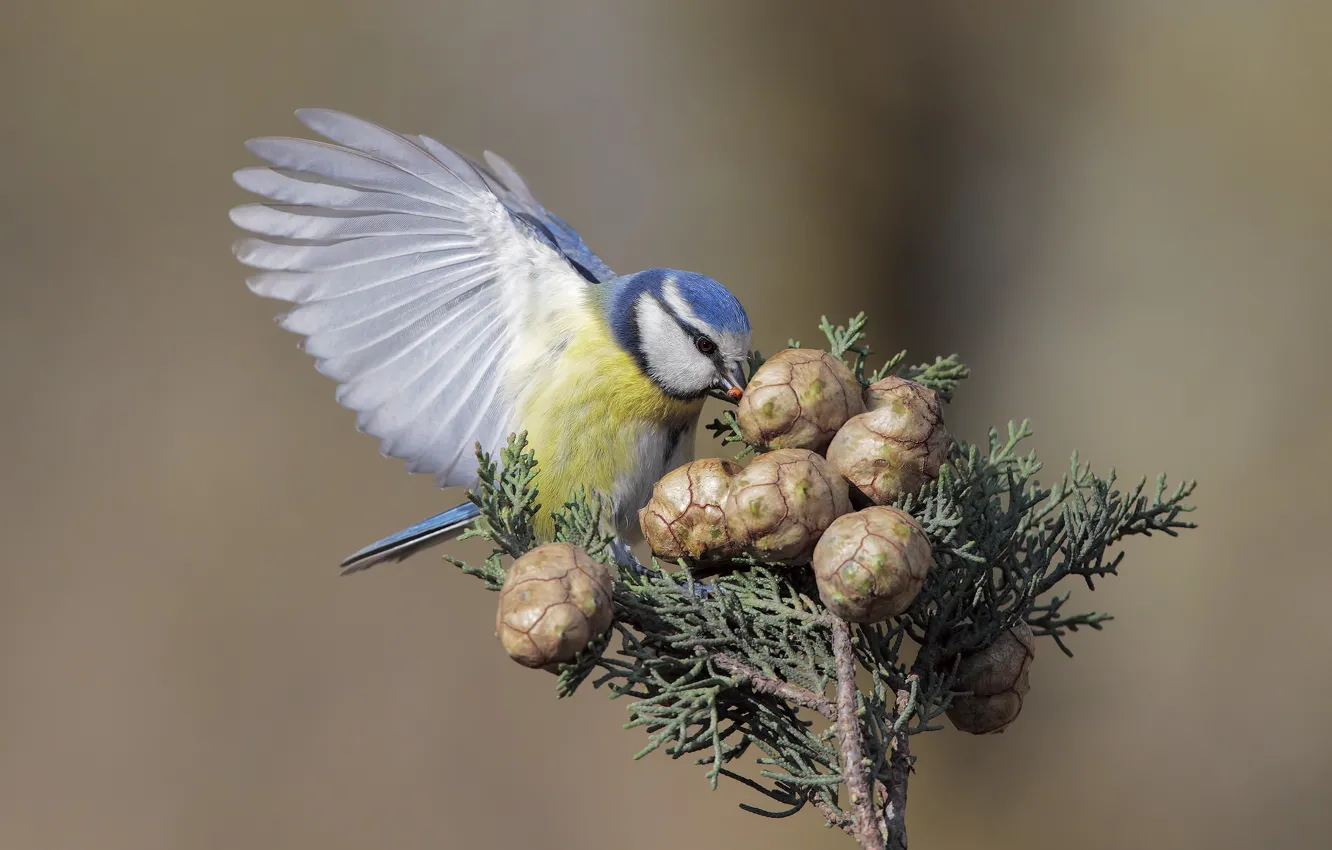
[414,285]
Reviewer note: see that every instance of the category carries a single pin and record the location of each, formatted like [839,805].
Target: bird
[454,310]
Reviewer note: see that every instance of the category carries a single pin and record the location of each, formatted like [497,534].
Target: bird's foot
[625,556]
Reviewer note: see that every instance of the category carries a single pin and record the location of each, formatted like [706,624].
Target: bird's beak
[733,383]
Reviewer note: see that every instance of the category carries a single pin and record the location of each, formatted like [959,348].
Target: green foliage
[583,521]
[679,661]
[507,497]
[942,376]
[727,429]
[844,338]
[743,668]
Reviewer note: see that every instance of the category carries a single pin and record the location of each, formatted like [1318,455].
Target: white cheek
[670,353]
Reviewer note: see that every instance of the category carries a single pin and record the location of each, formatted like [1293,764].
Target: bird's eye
[705,345]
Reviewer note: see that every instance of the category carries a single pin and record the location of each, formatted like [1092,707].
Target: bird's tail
[414,538]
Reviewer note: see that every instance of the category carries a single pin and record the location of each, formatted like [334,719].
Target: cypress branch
[755,670]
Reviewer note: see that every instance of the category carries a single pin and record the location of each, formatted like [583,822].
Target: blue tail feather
[413,538]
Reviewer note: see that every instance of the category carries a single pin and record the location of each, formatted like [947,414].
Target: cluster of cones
[832,458]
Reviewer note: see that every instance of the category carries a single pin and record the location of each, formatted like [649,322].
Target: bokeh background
[1117,212]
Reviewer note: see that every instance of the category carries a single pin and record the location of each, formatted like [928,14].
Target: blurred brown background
[1118,212]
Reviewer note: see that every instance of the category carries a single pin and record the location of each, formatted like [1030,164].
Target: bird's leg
[623,555]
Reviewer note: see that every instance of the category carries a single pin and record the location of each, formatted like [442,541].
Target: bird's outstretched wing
[512,191]
[416,273]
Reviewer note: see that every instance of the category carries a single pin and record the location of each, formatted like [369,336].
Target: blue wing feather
[413,538]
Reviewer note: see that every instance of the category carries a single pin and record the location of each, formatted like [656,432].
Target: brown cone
[896,446]
[999,678]
[684,518]
[780,504]
[797,400]
[555,601]
[870,565]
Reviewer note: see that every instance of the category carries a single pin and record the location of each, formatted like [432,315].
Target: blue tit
[453,309]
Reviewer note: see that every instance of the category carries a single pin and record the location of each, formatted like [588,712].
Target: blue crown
[710,301]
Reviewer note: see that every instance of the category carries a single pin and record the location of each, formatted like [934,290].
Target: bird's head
[687,332]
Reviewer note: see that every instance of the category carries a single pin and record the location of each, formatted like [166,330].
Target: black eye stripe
[705,344]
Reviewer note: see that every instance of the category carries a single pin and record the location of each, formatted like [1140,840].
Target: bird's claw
[625,556]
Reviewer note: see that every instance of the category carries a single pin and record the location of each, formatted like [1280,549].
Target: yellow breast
[588,417]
